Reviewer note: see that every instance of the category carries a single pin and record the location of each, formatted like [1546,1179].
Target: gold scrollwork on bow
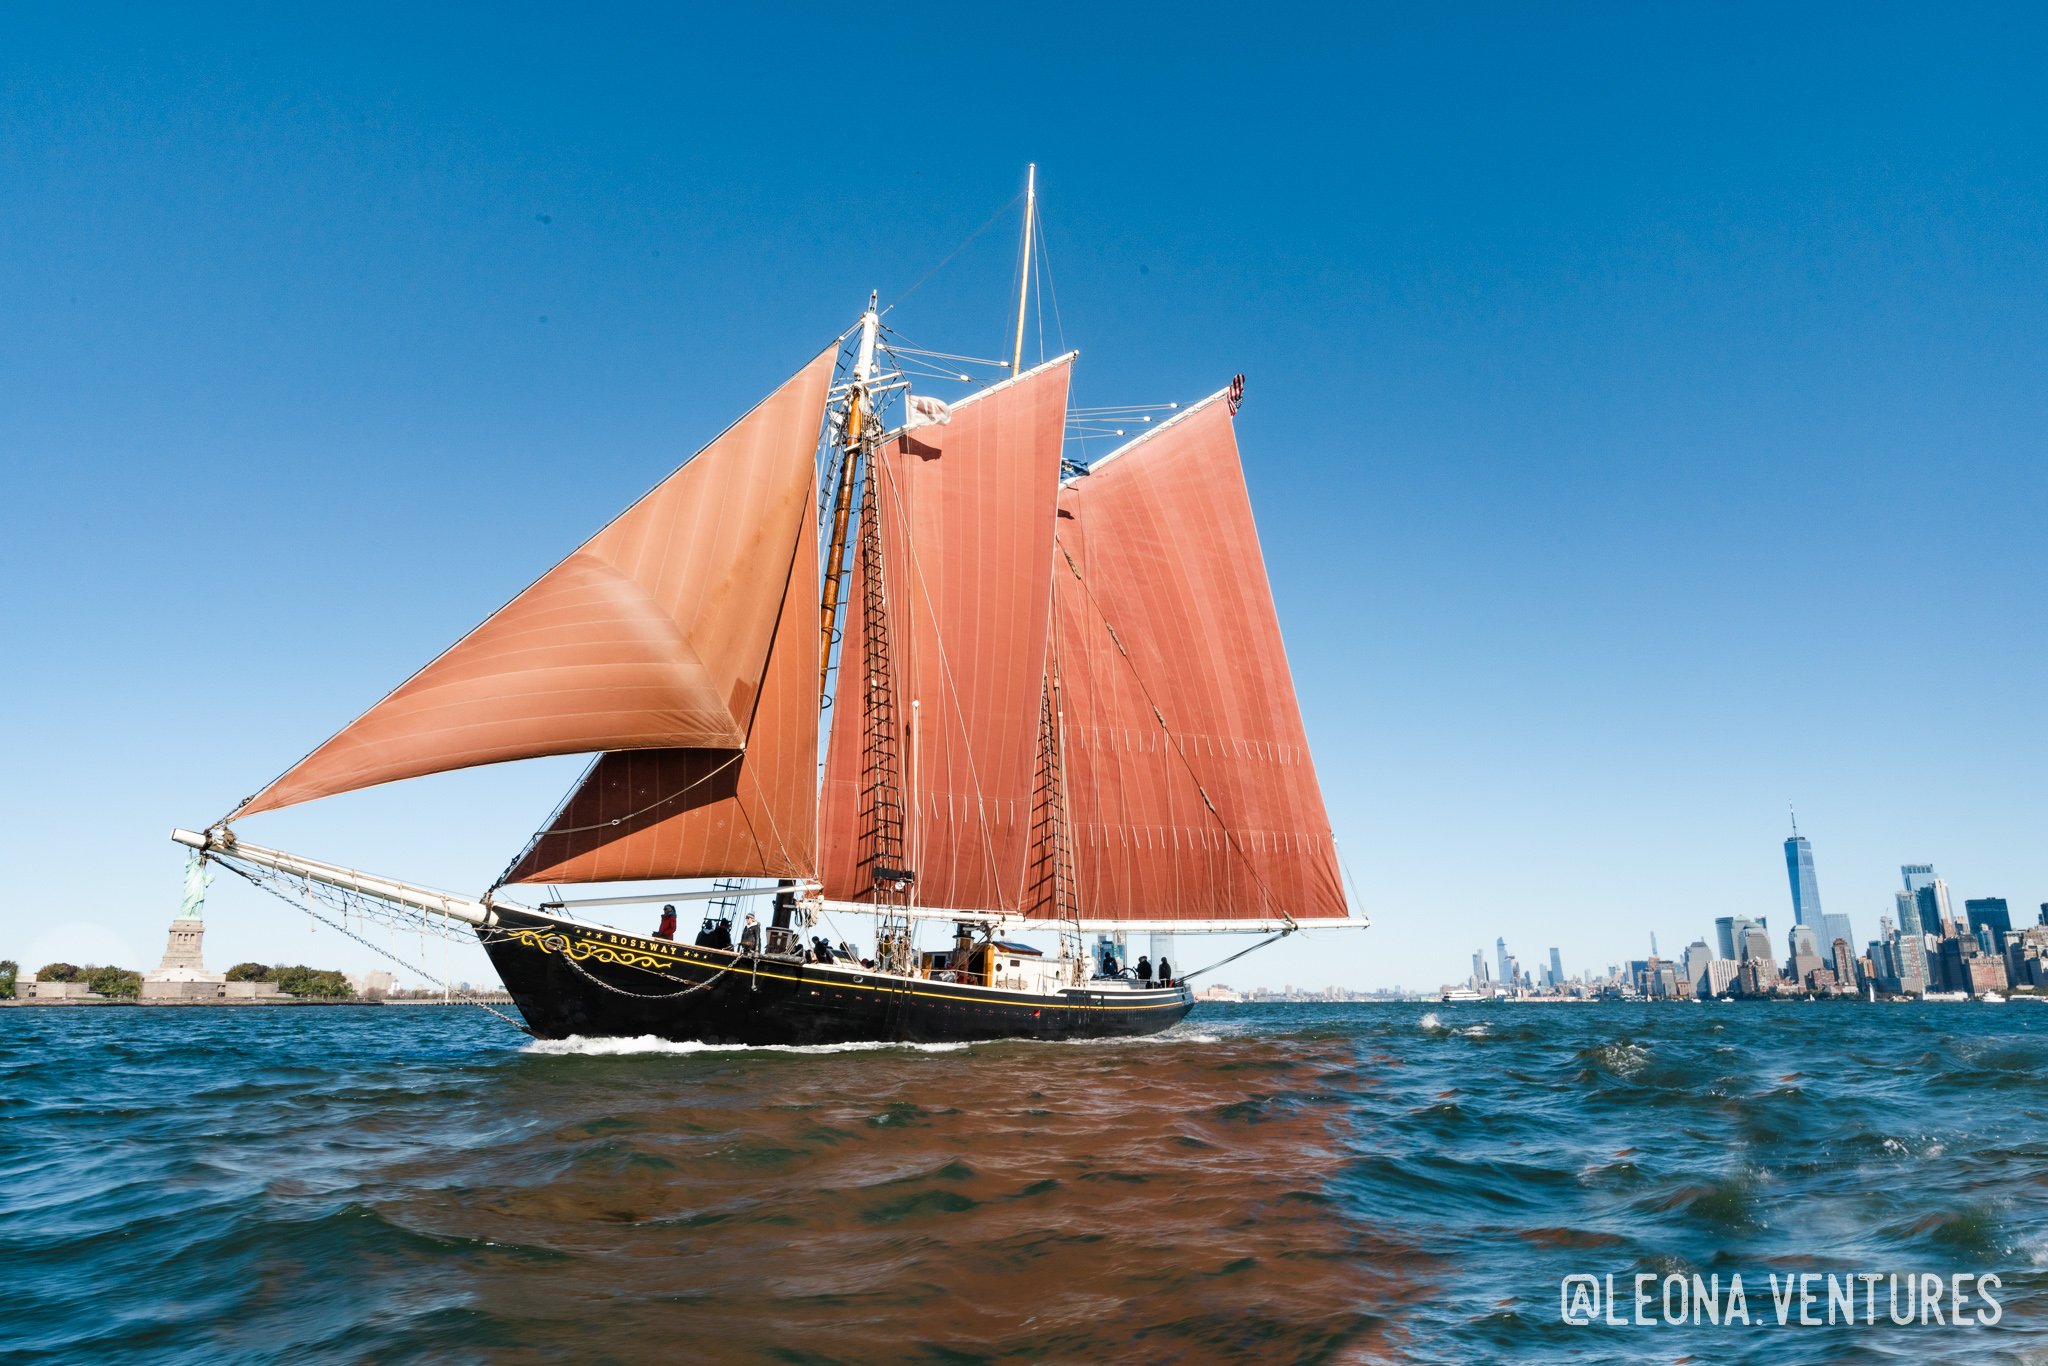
[584,951]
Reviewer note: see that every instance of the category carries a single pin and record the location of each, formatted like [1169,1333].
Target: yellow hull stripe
[627,952]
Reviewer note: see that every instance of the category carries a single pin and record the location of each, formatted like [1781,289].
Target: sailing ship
[1051,697]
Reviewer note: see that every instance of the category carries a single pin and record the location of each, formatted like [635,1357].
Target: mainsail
[1188,786]
[653,635]
[967,511]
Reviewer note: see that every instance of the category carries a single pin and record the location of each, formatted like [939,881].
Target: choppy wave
[1263,1183]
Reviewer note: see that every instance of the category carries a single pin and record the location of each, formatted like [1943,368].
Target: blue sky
[1645,416]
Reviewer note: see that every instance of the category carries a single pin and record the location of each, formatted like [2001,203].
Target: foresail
[1185,767]
[654,634]
[967,512]
[749,812]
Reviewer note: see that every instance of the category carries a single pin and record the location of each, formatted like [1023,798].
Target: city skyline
[1926,950]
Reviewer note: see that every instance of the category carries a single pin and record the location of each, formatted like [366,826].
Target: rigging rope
[456,993]
[945,260]
[1274,938]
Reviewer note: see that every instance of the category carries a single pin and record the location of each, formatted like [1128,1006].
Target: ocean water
[1275,1183]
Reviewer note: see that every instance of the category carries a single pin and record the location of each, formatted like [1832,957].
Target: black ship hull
[570,978]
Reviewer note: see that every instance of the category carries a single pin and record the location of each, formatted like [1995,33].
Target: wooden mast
[1024,276]
[842,496]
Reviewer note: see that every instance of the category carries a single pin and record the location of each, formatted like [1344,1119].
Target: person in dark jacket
[668,923]
[750,936]
[1145,968]
[721,935]
[1165,973]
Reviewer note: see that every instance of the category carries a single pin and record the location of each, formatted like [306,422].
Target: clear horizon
[1643,420]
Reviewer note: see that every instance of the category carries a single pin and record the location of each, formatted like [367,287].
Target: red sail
[753,812]
[1186,770]
[967,523]
[652,635]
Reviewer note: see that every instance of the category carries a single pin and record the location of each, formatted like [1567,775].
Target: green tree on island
[60,972]
[115,983]
[300,980]
[9,970]
[250,972]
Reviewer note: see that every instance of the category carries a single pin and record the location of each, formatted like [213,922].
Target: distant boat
[1452,994]
[1058,703]
[1992,998]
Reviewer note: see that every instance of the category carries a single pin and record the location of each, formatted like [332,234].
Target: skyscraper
[1507,967]
[1990,911]
[1697,958]
[1911,951]
[1883,955]
[1833,927]
[1556,969]
[1917,875]
[1937,916]
[1805,888]
[1845,965]
[1805,951]
[1728,934]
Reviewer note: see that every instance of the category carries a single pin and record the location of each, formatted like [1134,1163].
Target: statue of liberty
[198,877]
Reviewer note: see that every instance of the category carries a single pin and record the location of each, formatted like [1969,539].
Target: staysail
[967,511]
[745,812]
[654,634]
[1185,766]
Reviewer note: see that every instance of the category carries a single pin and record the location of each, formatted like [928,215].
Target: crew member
[750,936]
[668,923]
[1145,968]
[1165,973]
